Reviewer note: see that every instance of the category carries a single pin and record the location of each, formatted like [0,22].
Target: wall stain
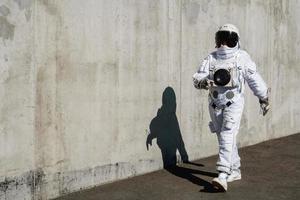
[204,6]
[71,181]
[23,4]
[4,10]
[6,29]
[50,7]
[191,11]
[32,181]
[28,14]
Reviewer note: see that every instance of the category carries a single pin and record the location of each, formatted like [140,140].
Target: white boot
[234,176]
[220,183]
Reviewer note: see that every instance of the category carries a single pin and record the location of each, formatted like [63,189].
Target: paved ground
[271,170]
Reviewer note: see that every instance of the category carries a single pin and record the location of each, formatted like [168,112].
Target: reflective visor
[226,38]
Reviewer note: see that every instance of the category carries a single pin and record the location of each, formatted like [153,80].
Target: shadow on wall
[165,128]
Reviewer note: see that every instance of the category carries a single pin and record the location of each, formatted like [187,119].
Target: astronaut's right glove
[203,84]
[264,105]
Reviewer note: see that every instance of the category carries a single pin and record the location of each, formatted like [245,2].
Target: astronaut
[224,73]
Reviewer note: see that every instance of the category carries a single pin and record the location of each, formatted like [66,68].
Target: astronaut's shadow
[165,128]
[188,174]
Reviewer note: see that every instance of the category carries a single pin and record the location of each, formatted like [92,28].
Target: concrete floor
[270,170]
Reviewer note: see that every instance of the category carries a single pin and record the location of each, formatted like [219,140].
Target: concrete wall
[81,81]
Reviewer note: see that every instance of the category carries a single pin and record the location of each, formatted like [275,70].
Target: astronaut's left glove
[196,83]
[203,84]
[264,105]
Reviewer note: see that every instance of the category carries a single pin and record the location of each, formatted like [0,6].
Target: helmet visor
[226,38]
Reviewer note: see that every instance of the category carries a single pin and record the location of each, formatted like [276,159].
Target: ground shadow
[188,174]
[165,128]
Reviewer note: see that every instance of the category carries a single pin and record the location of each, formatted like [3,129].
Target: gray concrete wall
[81,81]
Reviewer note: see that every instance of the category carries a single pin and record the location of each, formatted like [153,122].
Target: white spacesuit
[224,73]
